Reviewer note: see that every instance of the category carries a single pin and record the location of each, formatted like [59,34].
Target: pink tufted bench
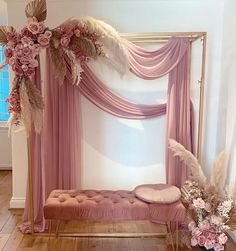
[104,205]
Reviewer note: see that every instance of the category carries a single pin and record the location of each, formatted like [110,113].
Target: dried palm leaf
[38,9]
[219,173]
[84,45]
[111,41]
[190,160]
[3,33]
[59,65]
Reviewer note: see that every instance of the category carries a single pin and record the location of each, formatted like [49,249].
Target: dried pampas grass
[112,43]
[190,160]
[219,173]
[31,106]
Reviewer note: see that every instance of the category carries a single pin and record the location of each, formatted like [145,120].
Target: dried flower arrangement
[71,45]
[210,208]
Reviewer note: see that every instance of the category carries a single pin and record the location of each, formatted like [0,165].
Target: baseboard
[17,202]
[5,167]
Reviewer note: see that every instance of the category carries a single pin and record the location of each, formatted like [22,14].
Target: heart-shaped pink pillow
[158,193]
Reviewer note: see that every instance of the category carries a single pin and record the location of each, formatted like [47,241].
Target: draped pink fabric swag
[57,153]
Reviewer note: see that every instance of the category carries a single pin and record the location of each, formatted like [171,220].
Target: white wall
[118,153]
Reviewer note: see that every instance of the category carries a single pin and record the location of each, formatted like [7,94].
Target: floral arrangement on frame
[71,45]
[209,207]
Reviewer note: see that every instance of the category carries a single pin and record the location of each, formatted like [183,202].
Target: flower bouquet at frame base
[210,209]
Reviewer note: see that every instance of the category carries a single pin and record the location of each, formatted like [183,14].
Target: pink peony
[65,40]
[194,242]
[191,225]
[201,240]
[33,27]
[215,219]
[48,33]
[199,203]
[25,59]
[222,238]
[196,232]
[17,69]
[43,40]
[204,225]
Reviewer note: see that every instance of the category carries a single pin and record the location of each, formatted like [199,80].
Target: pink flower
[25,59]
[26,40]
[12,61]
[24,67]
[26,51]
[218,247]
[191,225]
[204,225]
[209,244]
[43,40]
[222,238]
[8,53]
[196,232]
[31,20]
[48,33]
[208,207]
[33,63]
[30,72]
[199,203]
[41,27]
[201,240]
[17,69]
[77,33]
[215,219]
[65,40]
[33,27]
[194,242]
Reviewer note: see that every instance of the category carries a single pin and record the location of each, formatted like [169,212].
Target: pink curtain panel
[56,152]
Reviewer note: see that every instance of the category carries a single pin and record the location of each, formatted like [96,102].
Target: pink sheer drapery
[60,159]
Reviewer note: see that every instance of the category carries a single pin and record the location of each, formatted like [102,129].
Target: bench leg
[57,227]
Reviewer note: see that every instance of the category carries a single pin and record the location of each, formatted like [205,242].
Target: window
[4,87]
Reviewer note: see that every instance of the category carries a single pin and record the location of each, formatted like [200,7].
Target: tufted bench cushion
[108,205]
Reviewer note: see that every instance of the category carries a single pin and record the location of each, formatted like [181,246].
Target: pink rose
[201,240]
[26,40]
[209,244]
[222,238]
[65,41]
[196,232]
[191,225]
[25,59]
[26,51]
[204,225]
[24,67]
[17,69]
[8,53]
[48,33]
[33,27]
[33,63]
[30,72]
[194,242]
[77,33]
[199,203]
[218,247]
[43,40]
[215,220]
